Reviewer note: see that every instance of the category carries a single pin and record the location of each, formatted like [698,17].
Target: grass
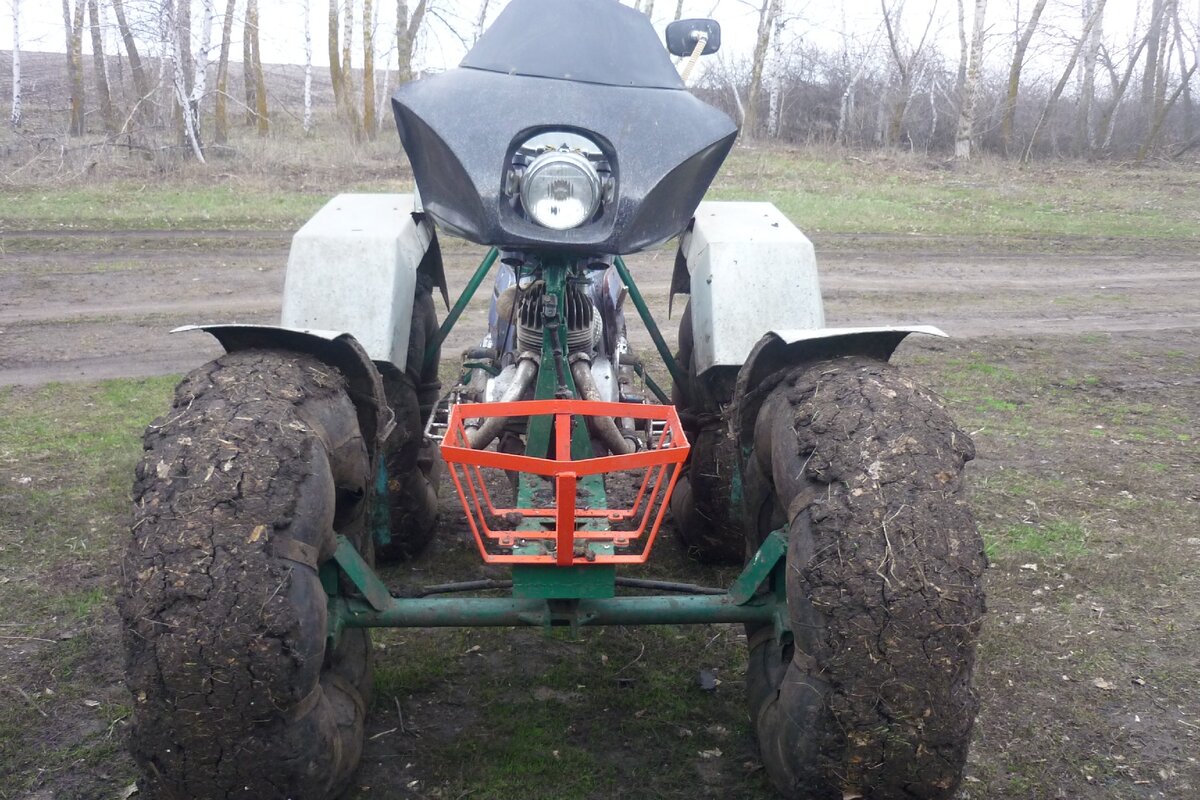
[127,206]
[1061,539]
[838,194]
[899,195]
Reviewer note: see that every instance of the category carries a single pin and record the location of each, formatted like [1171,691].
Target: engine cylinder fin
[580,314]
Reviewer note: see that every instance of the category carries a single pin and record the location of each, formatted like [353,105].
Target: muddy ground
[108,312]
[1077,376]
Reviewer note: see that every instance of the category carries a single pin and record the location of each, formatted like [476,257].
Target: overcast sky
[818,21]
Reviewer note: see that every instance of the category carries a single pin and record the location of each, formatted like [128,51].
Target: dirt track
[107,312]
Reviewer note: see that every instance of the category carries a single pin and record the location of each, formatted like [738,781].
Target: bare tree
[200,66]
[1154,39]
[141,84]
[1062,82]
[249,87]
[1085,116]
[220,115]
[970,85]
[768,14]
[178,79]
[906,67]
[308,107]
[260,85]
[1164,105]
[481,20]
[407,28]
[100,70]
[678,10]
[16,65]
[1014,76]
[335,66]
[368,120]
[1187,90]
[349,106]
[73,23]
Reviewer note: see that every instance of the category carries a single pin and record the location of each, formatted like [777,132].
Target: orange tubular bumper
[552,534]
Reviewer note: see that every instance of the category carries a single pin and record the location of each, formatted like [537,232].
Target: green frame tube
[460,305]
[451,612]
[677,373]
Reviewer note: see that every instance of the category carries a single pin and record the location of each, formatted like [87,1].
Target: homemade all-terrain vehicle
[565,140]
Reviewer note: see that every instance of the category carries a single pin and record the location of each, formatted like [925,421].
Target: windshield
[593,41]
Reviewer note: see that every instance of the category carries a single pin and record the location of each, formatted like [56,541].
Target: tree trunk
[144,106]
[191,136]
[964,54]
[308,109]
[335,66]
[260,85]
[767,14]
[368,120]
[349,102]
[200,77]
[648,9]
[16,64]
[248,66]
[101,71]
[1062,82]
[221,118]
[966,103]
[1014,77]
[1161,116]
[407,29]
[482,20]
[73,23]
[1085,116]
[1153,39]
[904,66]
[1187,87]
[678,9]
[1104,128]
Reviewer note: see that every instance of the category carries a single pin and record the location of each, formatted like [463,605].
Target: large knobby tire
[242,490]
[873,698]
[706,505]
[413,462]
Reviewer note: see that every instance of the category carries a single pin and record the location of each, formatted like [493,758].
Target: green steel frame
[547,595]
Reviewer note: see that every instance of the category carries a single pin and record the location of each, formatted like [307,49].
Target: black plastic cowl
[543,65]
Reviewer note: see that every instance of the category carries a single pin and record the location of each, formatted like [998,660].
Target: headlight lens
[560,190]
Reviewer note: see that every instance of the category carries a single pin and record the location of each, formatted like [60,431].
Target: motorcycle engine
[584,326]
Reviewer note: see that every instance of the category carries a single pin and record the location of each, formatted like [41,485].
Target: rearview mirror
[683,34]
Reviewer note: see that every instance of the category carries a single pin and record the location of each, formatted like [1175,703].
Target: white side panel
[752,271]
[353,268]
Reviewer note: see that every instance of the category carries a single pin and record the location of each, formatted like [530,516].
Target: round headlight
[560,189]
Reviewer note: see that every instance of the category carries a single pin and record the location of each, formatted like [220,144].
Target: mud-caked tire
[706,503]
[872,698]
[413,461]
[239,497]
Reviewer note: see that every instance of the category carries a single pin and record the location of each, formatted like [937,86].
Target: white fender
[751,271]
[353,268]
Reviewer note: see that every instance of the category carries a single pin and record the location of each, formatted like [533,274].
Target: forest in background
[1042,79]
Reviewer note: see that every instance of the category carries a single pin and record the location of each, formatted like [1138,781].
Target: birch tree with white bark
[970,84]
[178,79]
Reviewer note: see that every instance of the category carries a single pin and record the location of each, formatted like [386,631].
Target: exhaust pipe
[486,433]
[603,428]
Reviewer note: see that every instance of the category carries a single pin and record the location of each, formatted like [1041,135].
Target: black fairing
[594,67]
